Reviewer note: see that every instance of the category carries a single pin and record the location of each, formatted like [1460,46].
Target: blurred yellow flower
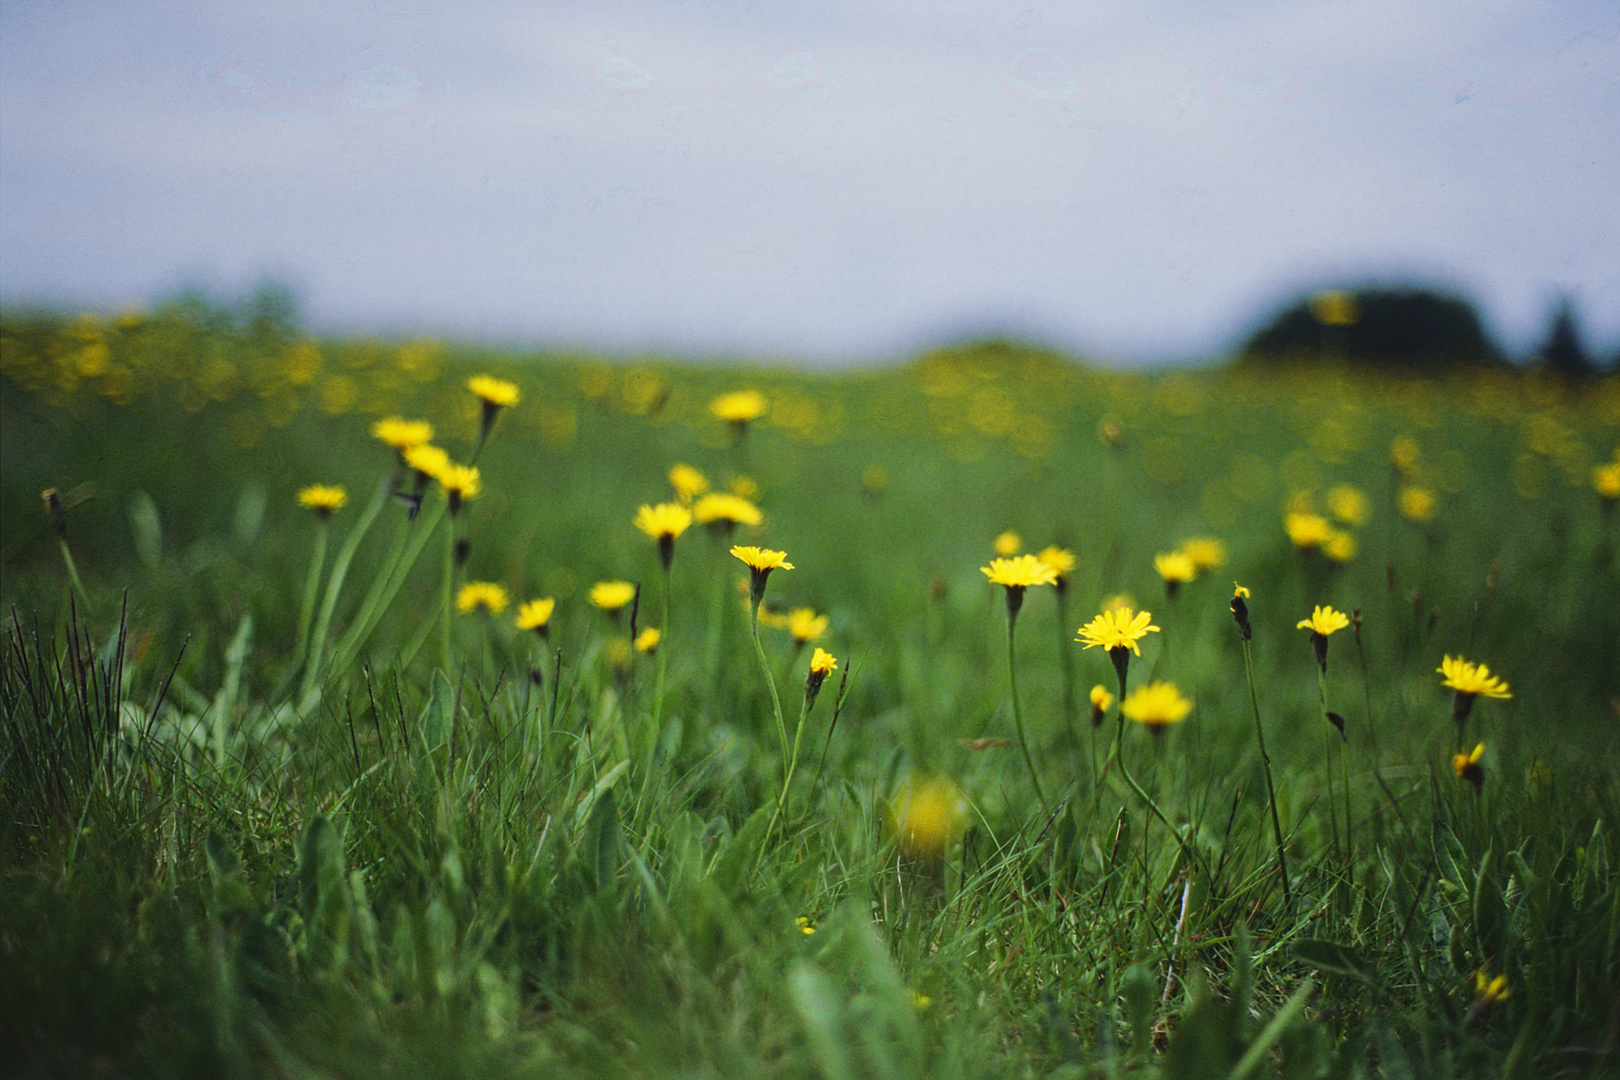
[1335,307]
[1416,503]
[928,815]
[739,406]
[722,508]
[1101,700]
[803,923]
[481,596]
[1117,628]
[612,595]
[1340,546]
[427,459]
[460,483]
[1008,544]
[1403,453]
[648,639]
[1606,481]
[1324,621]
[1489,991]
[687,482]
[1307,530]
[402,434]
[1240,590]
[1175,566]
[1467,766]
[805,625]
[1349,505]
[324,499]
[1206,552]
[493,391]
[1155,705]
[536,615]
[1061,560]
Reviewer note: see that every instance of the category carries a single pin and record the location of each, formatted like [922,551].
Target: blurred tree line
[1412,330]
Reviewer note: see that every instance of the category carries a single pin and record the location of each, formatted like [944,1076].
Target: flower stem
[1265,761]
[334,586]
[446,597]
[1018,716]
[770,681]
[1327,752]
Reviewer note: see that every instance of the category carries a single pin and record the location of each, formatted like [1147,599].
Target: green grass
[226,858]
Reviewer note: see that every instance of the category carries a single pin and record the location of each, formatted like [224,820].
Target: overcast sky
[826,182]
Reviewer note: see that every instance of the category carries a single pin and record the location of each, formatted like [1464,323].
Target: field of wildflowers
[389,707]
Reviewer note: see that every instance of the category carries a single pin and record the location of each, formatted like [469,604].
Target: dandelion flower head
[1206,552]
[1101,699]
[1348,504]
[928,816]
[402,434]
[1307,530]
[805,625]
[460,482]
[1117,628]
[1416,503]
[1489,990]
[427,459]
[1340,546]
[1175,566]
[1240,590]
[1020,571]
[664,520]
[762,559]
[481,596]
[1606,481]
[612,595]
[1467,766]
[496,392]
[1061,560]
[1155,705]
[1324,620]
[687,482]
[722,507]
[648,639]
[823,662]
[739,406]
[324,499]
[1008,544]
[536,614]
[1468,678]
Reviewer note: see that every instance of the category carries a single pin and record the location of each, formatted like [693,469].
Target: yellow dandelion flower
[611,596]
[665,521]
[739,406]
[427,459]
[803,923]
[1117,628]
[725,510]
[1117,601]
[1101,701]
[1061,560]
[744,487]
[1324,620]
[1307,530]
[760,562]
[647,640]
[1340,546]
[687,482]
[1240,609]
[1416,503]
[1240,590]
[1467,678]
[460,483]
[1206,552]
[805,625]
[481,596]
[1489,991]
[1019,572]
[823,662]
[402,434]
[324,499]
[1468,767]
[1606,481]
[1348,504]
[1175,567]
[1403,453]
[1155,705]
[1008,544]
[928,816]
[536,615]
[493,391]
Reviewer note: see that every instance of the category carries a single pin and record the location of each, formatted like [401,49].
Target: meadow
[981,714]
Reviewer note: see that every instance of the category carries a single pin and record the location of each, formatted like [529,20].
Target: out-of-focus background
[1147,184]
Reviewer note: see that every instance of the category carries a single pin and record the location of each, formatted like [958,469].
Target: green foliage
[254,829]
